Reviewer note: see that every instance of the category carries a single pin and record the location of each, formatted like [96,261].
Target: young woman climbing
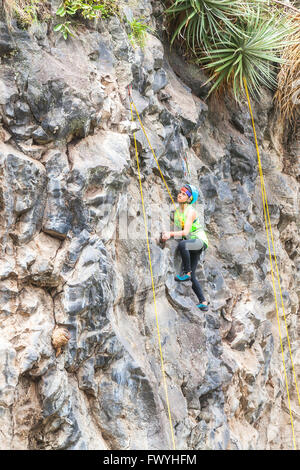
[194,239]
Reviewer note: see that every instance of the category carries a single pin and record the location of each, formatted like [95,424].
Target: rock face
[74,254]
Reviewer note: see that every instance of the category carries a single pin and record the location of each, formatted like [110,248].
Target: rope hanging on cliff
[268,222]
[152,278]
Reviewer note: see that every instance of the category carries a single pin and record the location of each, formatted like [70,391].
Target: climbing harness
[268,224]
[152,278]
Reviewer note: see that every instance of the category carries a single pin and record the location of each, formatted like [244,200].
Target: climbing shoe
[203,307]
[183,277]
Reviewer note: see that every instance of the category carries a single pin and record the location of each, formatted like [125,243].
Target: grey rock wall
[74,255]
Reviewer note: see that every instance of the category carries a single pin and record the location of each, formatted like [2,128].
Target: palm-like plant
[203,21]
[250,52]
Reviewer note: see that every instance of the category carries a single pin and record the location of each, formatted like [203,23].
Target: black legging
[190,251]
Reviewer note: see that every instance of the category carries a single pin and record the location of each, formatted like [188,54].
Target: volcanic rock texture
[74,255]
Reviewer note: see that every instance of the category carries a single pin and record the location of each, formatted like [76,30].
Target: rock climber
[193,239]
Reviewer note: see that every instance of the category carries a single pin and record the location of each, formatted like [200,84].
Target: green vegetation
[88,9]
[138,31]
[200,22]
[64,29]
[31,11]
[233,40]
[26,12]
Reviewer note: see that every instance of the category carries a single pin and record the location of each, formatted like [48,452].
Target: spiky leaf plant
[250,52]
[234,40]
[200,22]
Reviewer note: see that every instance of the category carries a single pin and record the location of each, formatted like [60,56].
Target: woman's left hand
[166,236]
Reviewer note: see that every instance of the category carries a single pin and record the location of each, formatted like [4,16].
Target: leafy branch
[88,9]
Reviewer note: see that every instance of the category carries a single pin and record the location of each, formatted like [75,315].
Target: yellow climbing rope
[155,158]
[153,289]
[156,161]
[268,222]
